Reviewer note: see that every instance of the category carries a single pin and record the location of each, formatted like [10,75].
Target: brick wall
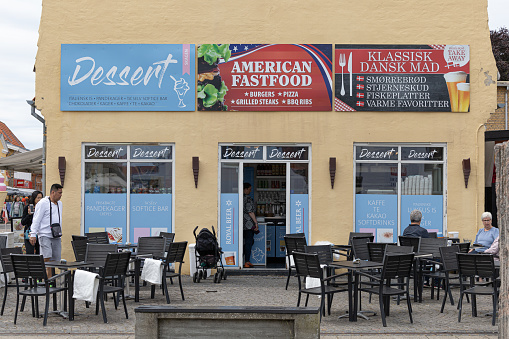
[496,121]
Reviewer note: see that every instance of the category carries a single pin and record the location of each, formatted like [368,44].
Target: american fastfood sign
[281,77]
[128,77]
[402,78]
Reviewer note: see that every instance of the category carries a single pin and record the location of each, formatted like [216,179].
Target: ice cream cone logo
[181,87]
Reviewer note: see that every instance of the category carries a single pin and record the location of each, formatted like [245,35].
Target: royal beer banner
[145,77]
[402,78]
[245,77]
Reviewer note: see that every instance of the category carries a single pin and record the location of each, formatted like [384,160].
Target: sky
[19,24]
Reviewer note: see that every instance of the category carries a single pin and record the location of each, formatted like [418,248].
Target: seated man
[414,229]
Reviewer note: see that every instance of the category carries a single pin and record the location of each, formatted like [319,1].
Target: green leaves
[212,52]
[210,95]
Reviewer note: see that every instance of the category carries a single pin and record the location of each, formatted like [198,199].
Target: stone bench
[226,322]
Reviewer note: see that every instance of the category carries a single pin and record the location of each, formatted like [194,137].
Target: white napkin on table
[152,271]
[85,285]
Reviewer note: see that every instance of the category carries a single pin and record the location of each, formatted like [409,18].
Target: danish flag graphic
[359,86]
[360,95]
[360,103]
[360,78]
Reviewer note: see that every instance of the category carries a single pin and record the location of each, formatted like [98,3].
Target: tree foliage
[500,47]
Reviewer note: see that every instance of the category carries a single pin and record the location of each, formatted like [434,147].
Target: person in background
[414,229]
[494,249]
[17,208]
[250,224]
[486,235]
[51,248]
[28,215]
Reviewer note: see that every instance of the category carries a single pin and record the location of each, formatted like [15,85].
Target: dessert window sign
[141,77]
[267,77]
[424,78]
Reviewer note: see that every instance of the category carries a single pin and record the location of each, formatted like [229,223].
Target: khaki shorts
[51,248]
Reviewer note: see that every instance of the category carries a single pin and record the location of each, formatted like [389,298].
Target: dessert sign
[127,77]
[242,77]
[402,78]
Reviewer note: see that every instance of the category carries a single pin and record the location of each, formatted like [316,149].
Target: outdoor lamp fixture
[466,170]
[332,171]
[61,169]
[196,169]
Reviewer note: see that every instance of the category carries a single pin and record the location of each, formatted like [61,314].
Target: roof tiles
[9,136]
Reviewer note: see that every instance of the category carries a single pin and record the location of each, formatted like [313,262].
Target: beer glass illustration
[453,79]
[463,96]
[181,87]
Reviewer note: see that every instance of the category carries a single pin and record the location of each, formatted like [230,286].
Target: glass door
[230,212]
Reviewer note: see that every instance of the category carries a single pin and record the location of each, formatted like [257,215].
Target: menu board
[425,78]
[141,77]
[280,77]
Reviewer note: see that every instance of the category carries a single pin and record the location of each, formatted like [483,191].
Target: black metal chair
[154,246]
[324,253]
[98,238]
[5,259]
[175,255]
[97,253]
[79,237]
[168,239]
[31,266]
[470,267]
[450,265]
[308,265]
[360,247]
[376,251]
[294,243]
[115,268]
[325,256]
[397,266]
[433,235]
[464,247]
[3,241]
[357,235]
[410,241]
[432,245]
[394,249]
[79,247]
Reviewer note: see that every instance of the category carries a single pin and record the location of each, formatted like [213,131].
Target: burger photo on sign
[211,89]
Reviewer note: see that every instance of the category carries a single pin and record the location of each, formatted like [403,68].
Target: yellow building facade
[327,134]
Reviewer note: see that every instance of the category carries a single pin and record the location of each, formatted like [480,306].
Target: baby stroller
[208,255]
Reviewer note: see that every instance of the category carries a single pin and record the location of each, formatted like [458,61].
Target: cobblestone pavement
[260,291]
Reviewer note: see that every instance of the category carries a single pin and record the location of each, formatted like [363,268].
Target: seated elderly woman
[486,235]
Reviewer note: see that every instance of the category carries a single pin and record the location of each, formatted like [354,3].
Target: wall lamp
[61,169]
[196,169]
[466,170]
[332,171]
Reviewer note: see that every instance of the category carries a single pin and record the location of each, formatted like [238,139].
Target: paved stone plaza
[260,291]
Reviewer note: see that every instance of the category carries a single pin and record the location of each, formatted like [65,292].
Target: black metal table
[353,282]
[65,266]
[137,269]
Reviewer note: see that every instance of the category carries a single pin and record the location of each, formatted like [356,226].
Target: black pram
[208,255]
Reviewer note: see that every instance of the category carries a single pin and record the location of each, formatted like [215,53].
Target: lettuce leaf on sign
[210,95]
[212,52]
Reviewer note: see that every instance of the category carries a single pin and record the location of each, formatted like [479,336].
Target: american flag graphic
[360,103]
[360,78]
[359,86]
[237,49]
[360,95]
